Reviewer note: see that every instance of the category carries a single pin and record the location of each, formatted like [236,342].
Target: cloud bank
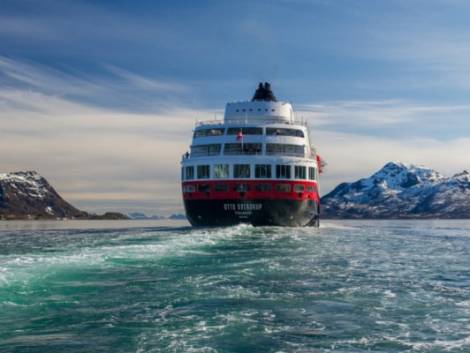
[109,158]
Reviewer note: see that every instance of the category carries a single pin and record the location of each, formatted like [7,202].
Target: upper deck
[256,139]
[262,126]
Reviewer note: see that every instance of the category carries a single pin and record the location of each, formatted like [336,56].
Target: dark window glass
[203,172]
[221,187]
[189,188]
[283,188]
[299,188]
[241,171]
[233,148]
[242,148]
[209,132]
[245,130]
[189,173]
[204,188]
[205,150]
[252,148]
[285,149]
[263,187]
[310,188]
[282,171]
[274,131]
[311,173]
[300,172]
[263,171]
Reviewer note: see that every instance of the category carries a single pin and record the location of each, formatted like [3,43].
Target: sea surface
[350,286]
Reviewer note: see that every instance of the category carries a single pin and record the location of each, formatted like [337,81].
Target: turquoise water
[392,286]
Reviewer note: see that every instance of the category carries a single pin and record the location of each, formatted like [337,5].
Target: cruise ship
[255,166]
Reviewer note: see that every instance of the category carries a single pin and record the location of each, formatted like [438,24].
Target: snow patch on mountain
[27,195]
[28,183]
[401,190]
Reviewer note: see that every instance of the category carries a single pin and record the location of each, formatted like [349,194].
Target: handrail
[244,122]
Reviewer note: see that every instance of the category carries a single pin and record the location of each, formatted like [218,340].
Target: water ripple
[388,286]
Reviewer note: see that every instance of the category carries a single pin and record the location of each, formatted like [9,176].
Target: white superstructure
[258,152]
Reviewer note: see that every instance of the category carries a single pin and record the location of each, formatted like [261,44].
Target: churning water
[388,286]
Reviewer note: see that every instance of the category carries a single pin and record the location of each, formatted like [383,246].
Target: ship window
[312,173]
[274,131]
[221,171]
[233,148]
[245,130]
[299,188]
[285,149]
[310,188]
[221,187]
[283,188]
[300,172]
[263,187]
[205,150]
[242,148]
[203,171]
[209,132]
[189,173]
[241,171]
[283,171]
[242,187]
[263,171]
[204,188]
[189,188]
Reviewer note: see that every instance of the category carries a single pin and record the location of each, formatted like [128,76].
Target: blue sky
[101,96]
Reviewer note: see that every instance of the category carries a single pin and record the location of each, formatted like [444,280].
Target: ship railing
[285,154]
[247,122]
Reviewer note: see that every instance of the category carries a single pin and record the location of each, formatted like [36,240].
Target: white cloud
[380,113]
[101,158]
[145,82]
[95,154]
[351,156]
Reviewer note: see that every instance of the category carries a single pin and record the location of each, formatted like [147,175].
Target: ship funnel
[264,93]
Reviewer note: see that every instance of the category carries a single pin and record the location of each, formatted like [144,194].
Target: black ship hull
[216,212]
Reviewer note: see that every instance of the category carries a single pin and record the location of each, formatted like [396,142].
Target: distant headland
[401,191]
[396,191]
[29,196]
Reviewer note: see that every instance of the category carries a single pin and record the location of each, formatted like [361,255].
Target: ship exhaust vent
[264,93]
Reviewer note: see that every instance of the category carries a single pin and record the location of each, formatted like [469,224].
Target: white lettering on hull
[246,207]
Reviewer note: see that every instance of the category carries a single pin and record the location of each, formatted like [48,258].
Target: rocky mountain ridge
[400,190]
[27,195]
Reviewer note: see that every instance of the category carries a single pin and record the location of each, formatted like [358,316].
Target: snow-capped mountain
[27,195]
[400,190]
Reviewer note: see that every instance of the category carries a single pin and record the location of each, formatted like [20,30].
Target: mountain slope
[27,195]
[401,190]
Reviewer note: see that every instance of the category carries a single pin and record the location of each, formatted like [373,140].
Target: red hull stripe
[259,189]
